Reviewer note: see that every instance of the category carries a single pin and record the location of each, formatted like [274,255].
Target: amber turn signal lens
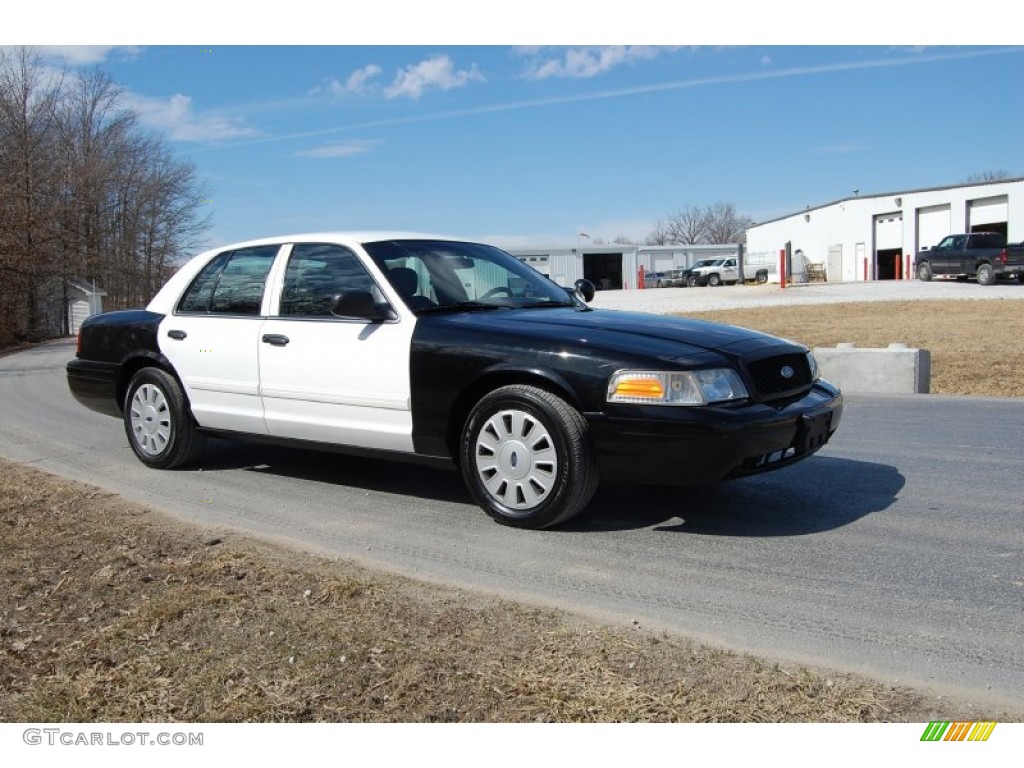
[651,388]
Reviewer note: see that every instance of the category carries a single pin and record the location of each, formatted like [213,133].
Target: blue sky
[513,143]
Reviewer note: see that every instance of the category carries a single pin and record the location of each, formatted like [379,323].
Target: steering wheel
[496,291]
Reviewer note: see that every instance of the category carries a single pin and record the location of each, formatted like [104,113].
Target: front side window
[317,275]
[231,284]
[439,275]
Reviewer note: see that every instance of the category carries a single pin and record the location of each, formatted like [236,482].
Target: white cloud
[356,83]
[590,61]
[342,149]
[436,72]
[80,55]
[177,118]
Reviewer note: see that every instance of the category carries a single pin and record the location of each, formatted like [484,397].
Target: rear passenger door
[211,339]
[332,379]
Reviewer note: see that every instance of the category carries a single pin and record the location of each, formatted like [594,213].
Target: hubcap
[150,419]
[515,459]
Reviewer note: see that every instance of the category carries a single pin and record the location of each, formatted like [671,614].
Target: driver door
[331,379]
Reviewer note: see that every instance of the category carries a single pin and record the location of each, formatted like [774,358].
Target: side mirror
[361,305]
[585,289]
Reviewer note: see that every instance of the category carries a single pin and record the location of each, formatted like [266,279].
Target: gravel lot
[666,300]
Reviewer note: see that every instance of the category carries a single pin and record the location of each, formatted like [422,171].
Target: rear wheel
[924,271]
[986,275]
[762,278]
[526,457]
[160,429]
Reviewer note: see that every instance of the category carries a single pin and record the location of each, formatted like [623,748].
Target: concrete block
[892,370]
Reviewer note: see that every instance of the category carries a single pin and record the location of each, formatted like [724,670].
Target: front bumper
[669,445]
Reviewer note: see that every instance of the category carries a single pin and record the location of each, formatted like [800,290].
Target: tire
[987,275]
[714,280]
[924,271]
[160,428]
[691,282]
[526,457]
[762,278]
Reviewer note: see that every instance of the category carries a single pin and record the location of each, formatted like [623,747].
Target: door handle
[177,335]
[276,339]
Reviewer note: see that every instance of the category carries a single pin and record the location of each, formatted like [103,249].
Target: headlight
[713,385]
[813,365]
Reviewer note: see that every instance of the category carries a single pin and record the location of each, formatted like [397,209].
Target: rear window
[988,240]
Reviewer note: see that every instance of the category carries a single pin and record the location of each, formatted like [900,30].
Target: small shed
[84,300]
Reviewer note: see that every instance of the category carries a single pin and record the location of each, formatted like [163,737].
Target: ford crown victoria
[448,352]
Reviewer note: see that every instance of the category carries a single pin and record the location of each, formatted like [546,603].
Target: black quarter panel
[112,346]
[113,337]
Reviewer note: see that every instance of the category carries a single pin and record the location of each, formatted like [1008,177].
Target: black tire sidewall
[529,400]
[172,394]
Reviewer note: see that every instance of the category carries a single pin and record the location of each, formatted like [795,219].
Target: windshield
[439,275]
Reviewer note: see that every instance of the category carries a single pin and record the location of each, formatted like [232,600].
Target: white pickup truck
[719,271]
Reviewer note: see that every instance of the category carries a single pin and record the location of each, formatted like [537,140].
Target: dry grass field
[112,612]
[977,347]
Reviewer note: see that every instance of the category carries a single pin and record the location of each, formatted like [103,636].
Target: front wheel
[160,428]
[714,280]
[691,282]
[924,271]
[526,457]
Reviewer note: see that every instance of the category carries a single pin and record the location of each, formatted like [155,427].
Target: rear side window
[232,283]
[317,275]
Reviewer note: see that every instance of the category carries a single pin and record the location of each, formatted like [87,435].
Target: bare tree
[712,224]
[983,176]
[724,225]
[687,226]
[29,94]
[84,193]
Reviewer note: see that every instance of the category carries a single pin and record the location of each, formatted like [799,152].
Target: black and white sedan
[448,352]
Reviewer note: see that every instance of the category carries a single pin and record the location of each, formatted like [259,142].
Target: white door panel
[217,364]
[338,381]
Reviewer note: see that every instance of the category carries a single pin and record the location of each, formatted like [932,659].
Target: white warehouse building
[614,266]
[875,237]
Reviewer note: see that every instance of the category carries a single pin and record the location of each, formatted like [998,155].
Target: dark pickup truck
[982,255]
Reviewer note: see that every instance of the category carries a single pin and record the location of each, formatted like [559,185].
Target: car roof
[339,236]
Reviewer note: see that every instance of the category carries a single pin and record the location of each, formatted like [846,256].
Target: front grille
[769,379]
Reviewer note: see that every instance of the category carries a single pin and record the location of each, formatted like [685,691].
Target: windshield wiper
[538,304]
[459,306]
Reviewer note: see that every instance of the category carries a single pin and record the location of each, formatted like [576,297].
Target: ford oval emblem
[787,372]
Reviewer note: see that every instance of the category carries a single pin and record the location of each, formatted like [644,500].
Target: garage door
[888,231]
[933,224]
[988,210]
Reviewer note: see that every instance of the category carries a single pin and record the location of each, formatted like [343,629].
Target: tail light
[1004,256]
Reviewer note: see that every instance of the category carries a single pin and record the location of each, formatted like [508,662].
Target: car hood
[663,336]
